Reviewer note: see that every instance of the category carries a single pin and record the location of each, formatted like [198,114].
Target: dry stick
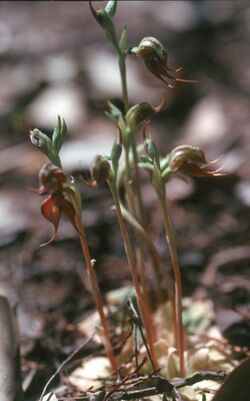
[97,295]
[156,385]
[10,372]
[137,324]
[128,249]
[67,360]
[178,287]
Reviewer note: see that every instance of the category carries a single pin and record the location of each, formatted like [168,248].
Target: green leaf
[103,17]
[166,173]
[107,24]
[44,143]
[164,163]
[147,166]
[115,155]
[145,159]
[110,8]
[152,150]
[114,113]
[157,180]
[123,40]
[122,124]
[59,134]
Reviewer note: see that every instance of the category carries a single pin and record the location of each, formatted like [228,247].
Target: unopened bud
[155,58]
[139,114]
[185,153]
[100,170]
[52,179]
[104,18]
[110,8]
[191,160]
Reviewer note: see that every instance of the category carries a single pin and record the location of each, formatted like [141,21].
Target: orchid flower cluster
[63,194]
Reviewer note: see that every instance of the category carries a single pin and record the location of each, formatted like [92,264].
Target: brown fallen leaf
[237,385]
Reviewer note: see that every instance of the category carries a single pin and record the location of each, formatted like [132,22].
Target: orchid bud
[191,160]
[184,153]
[139,114]
[104,18]
[110,8]
[52,179]
[100,170]
[150,46]
[155,58]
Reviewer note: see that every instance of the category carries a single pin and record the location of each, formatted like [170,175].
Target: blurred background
[55,60]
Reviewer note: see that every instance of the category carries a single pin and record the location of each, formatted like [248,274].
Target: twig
[10,373]
[219,376]
[152,385]
[61,366]
[138,325]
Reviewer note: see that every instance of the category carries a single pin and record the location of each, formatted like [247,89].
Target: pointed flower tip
[186,81]
[161,105]
[52,239]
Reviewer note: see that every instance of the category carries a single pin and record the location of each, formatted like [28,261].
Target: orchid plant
[63,196]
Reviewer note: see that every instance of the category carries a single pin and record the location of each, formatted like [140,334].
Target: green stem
[178,286]
[137,211]
[147,321]
[154,253]
[141,209]
[123,73]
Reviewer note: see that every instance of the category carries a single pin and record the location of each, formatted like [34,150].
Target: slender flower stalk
[122,67]
[97,294]
[157,263]
[179,332]
[135,202]
[132,265]
[159,185]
